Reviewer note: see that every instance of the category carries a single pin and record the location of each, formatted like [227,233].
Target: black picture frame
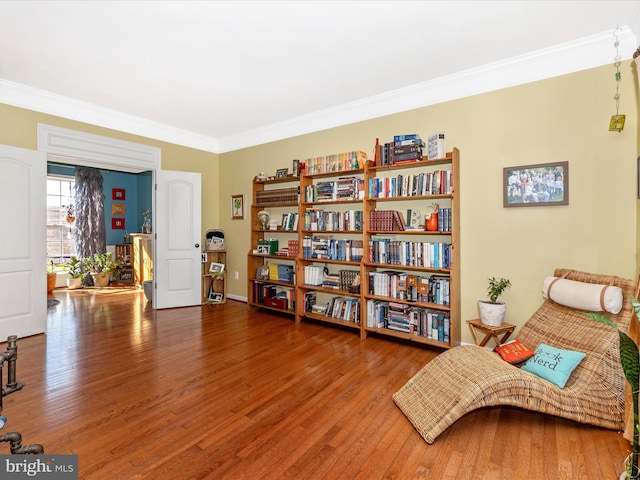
[282,172]
[538,185]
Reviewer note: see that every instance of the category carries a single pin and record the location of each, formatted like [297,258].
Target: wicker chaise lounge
[469,377]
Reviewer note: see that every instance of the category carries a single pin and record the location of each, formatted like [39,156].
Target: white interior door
[177,225]
[23,252]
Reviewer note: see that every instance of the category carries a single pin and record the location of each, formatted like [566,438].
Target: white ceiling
[220,75]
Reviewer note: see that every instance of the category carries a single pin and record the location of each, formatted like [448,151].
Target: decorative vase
[432,222]
[146,225]
[101,279]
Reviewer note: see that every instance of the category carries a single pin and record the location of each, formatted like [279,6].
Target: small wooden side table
[506,329]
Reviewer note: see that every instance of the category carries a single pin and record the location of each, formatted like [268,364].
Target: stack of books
[403,149]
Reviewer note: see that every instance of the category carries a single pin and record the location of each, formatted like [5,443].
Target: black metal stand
[11,356]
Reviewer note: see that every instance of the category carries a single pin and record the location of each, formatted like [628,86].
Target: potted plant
[102,266]
[76,271]
[52,277]
[630,362]
[491,310]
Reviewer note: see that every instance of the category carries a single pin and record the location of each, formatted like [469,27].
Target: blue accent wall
[138,196]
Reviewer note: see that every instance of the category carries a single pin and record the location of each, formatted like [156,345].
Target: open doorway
[176,203]
[126,197]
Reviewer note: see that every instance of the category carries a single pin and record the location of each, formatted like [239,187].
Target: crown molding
[588,52]
[30,98]
[582,54]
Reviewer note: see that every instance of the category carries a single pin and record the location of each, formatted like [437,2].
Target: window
[61,225]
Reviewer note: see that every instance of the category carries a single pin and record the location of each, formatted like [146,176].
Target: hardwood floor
[227,392]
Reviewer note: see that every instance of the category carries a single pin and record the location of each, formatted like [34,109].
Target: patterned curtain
[90,230]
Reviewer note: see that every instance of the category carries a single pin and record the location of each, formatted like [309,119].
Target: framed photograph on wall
[237,206]
[117,223]
[118,209]
[118,194]
[543,184]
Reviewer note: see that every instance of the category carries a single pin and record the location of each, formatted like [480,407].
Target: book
[436,147]
[414,219]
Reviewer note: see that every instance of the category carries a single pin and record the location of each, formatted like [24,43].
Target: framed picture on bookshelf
[263,250]
[215,297]
[282,172]
[216,267]
[237,206]
[543,184]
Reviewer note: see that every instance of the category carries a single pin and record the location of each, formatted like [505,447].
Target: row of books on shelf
[281,272]
[316,275]
[290,250]
[412,254]
[411,288]
[427,183]
[342,308]
[417,321]
[322,247]
[393,220]
[320,219]
[274,296]
[345,188]
[337,162]
[289,222]
[278,195]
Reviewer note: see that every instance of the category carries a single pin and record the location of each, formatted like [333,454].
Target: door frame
[63,145]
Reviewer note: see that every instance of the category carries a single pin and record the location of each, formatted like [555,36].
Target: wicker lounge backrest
[568,328]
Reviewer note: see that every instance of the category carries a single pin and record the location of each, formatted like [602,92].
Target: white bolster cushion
[583,296]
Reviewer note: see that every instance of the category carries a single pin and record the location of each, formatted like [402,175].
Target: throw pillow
[514,351]
[553,364]
[583,296]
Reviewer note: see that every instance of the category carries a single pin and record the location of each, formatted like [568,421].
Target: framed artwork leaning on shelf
[216,267]
[282,172]
[543,184]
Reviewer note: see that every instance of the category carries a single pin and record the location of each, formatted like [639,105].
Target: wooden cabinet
[274,246]
[357,264]
[214,276]
[142,257]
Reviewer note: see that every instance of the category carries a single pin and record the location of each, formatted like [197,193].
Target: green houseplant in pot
[630,363]
[76,272]
[491,310]
[102,266]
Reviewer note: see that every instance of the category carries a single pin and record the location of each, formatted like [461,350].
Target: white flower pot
[491,314]
[73,283]
[100,279]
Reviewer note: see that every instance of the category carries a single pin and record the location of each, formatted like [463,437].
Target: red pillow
[514,351]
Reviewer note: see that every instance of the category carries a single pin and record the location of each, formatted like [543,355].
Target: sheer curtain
[90,229]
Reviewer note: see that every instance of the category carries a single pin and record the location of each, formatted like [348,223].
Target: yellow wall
[564,118]
[18,127]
